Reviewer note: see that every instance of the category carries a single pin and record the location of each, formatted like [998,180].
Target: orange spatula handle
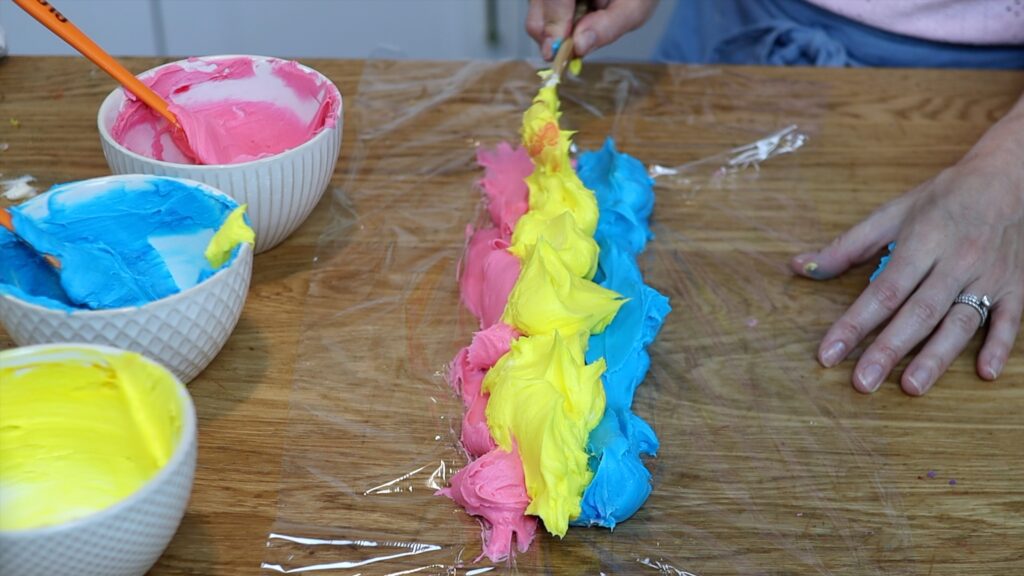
[5,219]
[7,222]
[50,17]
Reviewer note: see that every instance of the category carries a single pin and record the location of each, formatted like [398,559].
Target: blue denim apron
[796,33]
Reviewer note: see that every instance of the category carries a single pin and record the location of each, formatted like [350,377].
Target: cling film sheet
[759,471]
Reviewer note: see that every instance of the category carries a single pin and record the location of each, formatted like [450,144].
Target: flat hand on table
[960,232]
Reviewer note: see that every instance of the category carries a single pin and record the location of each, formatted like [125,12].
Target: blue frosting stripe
[625,197]
[122,242]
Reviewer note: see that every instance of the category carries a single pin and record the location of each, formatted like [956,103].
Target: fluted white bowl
[183,332]
[280,190]
[124,539]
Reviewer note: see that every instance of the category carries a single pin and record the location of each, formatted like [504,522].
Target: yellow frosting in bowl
[80,430]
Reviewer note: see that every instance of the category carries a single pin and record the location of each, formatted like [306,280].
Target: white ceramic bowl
[183,332]
[124,539]
[280,190]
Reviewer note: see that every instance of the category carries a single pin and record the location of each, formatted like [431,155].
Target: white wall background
[421,29]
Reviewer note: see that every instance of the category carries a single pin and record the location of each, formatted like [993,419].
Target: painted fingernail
[811,269]
[833,353]
[586,41]
[870,377]
[919,380]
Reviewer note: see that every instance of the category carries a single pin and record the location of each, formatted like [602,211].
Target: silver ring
[980,305]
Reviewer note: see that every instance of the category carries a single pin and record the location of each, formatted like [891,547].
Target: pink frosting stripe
[493,488]
[466,373]
[489,272]
[492,485]
[507,195]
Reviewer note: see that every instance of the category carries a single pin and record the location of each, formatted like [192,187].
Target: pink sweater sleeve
[980,22]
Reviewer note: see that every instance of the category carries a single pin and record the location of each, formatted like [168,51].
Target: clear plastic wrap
[759,471]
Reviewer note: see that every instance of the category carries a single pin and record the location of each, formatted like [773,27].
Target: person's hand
[551,20]
[960,232]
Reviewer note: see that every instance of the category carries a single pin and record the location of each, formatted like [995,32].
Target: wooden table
[332,383]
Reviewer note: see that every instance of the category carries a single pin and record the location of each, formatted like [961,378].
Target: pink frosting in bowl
[232,109]
[280,189]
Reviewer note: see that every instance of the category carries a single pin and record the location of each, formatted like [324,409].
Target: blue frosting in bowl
[122,241]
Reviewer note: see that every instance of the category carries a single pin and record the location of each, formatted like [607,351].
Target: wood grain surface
[326,415]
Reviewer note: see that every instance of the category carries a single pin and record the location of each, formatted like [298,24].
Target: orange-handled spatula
[6,222]
[50,17]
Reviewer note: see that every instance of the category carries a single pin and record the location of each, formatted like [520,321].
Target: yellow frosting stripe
[545,401]
[547,297]
[554,185]
[80,432]
[574,248]
[556,192]
[546,143]
[233,232]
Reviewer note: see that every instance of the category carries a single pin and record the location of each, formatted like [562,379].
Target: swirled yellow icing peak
[546,143]
[557,192]
[548,297]
[554,185]
[576,250]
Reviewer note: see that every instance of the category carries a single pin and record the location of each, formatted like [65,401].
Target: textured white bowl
[183,332]
[280,190]
[124,539]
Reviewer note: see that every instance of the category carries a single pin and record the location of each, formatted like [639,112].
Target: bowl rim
[185,444]
[118,92]
[244,253]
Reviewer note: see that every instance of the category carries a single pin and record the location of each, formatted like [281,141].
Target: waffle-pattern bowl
[280,190]
[124,539]
[183,332]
